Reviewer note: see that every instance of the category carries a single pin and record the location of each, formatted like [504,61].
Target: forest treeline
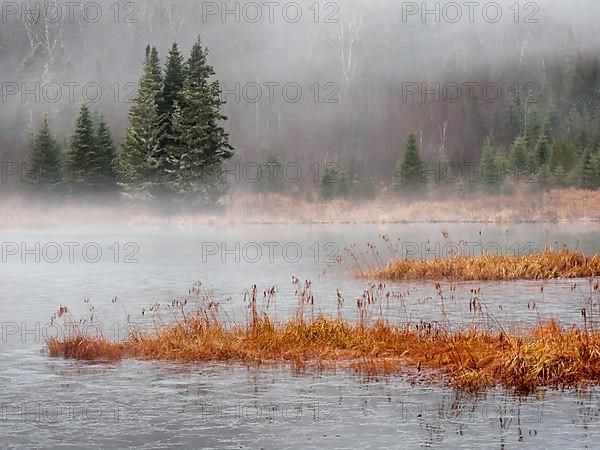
[545,137]
[174,144]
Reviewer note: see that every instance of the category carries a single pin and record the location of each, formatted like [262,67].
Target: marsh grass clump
[546,265]
[77,344]
[471,359]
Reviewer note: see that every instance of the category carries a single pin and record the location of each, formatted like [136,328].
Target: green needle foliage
[409,171]
[44,169]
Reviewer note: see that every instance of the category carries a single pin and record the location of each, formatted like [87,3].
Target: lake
[120,272]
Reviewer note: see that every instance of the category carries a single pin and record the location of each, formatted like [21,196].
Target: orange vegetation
[471,359]
[538,266]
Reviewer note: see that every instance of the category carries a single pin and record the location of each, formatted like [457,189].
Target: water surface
[50,402]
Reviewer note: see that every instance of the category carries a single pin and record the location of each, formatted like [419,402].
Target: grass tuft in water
[471,359]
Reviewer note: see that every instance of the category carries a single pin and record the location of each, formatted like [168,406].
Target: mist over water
[343,82]
[132,403]
[312,90]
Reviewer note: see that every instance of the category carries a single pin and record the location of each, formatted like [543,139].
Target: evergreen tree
[173,83]
[82,152]
[519,157]
[44,171]
[170,98]
[492,174]
[142,148]
[409,171]
[590,178]
[154,78]
[542,149]
[105,155]
[199,142]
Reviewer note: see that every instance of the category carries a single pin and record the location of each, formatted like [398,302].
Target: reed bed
[471,359]
[546,265]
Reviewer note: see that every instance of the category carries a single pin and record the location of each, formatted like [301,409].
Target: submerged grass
[472,359]
[546,265]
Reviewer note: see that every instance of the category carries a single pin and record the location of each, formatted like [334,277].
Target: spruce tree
[82,152]
[519,156]
[590,177]
[199,143]
[105,155]
[542,149]
[171,97]
[154,78]
[173,82]
[142,148]
[491,173]
[44,171]
[409,171]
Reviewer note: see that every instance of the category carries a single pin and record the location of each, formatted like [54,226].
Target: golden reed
[472,359]
[538,266]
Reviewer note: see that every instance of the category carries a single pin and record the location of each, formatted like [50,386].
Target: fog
[154,282]
[357,64]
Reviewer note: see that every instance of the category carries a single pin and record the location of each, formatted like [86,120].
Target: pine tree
[519,156]
[142,148]
[105,155]
[590,178]
[153,81]
[542,149]
[171,97]
[409,171]
[491,172]
[173,82]
[82,152]
[44,171]
[200,144]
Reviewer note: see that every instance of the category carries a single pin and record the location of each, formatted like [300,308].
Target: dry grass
[538,266]
[563,205]
[471,359]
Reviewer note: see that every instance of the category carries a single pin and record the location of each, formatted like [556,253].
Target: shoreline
[554,207]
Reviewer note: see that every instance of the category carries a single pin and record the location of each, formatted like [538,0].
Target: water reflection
[50,402]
